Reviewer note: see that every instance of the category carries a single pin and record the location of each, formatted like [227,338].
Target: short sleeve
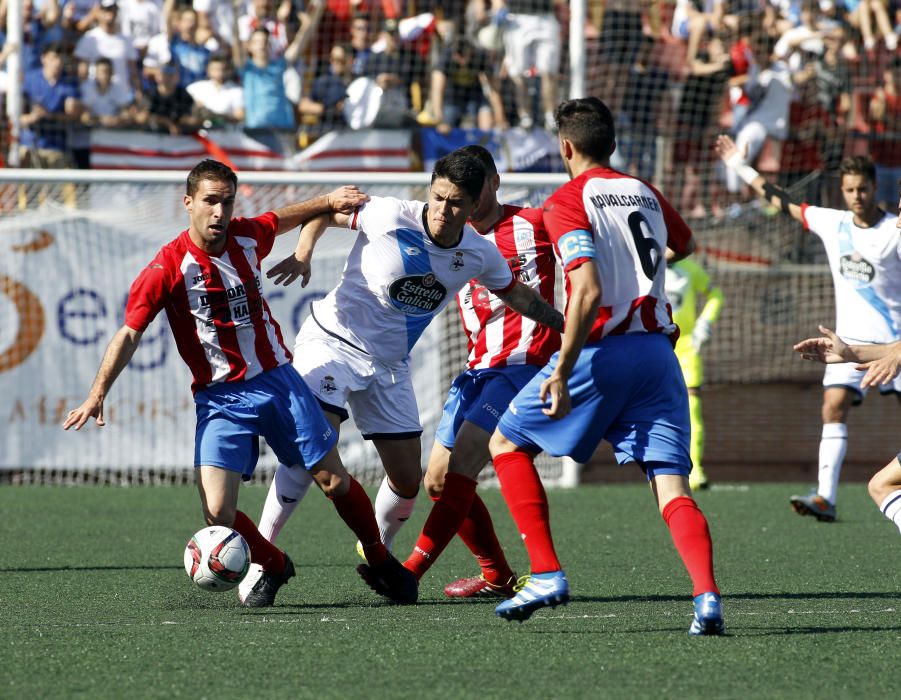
[147,295]
[495,274]
[377,216]
[817,219]
[262,229]
[568,226]
[678,233]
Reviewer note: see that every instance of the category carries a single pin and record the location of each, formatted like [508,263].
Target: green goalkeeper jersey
[686,281]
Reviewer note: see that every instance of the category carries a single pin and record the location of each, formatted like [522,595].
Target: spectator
[647,85]
[696,121]
[360,43]
[217,100]
[885,149]
[106,102]
[809,127]
[140,20]
[103,41]
[464,87]
[78,16]
[394,71]
[770,94]
[621,32]
[186,50]
[168,108]
[326,100]
[693,20]
[216,18]
[39,28]
[833,80]
[266,104]
[863,13]
[531,43]
[51,105]
[262,13]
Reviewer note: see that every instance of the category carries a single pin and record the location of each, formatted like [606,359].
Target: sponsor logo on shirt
[417,295]
[856,269]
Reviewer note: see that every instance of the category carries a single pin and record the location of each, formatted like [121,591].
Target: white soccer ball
[217,558]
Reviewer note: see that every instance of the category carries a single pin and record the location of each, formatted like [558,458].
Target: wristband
[742,169]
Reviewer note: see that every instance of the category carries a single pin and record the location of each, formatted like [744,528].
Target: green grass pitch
[95,604]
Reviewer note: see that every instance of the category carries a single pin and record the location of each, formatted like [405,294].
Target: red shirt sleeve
[563,212]
[148,294]
[678,233]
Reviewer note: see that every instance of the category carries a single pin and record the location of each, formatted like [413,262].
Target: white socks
[289,486]
[833,446]
[891,507]
[391,512]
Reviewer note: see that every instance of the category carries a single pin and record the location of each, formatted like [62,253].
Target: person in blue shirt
[51,105]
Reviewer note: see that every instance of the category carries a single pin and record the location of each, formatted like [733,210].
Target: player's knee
[880,486]
[219,514]
[498,444]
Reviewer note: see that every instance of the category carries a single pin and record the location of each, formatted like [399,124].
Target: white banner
[64,277]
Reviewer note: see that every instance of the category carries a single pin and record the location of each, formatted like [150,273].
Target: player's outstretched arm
[299,263]
[115,359]
[529,303]
[581,312]
[342,200]
[775,195]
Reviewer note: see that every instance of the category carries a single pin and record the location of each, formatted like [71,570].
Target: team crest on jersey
[412,250]
[856,269]
[417,295]
[327,385]
[457,261]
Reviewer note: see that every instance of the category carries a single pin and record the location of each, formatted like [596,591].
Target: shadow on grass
[819,595]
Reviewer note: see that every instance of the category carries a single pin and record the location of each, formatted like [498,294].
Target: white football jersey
[397,279]
[866,273]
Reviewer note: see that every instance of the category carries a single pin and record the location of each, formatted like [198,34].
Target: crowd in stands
[799,83]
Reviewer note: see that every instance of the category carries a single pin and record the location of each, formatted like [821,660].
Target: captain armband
[771,191]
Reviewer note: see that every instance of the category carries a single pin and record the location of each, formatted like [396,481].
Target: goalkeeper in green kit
[687,284]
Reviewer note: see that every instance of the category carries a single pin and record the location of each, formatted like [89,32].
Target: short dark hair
[104,61]
[858,165]
[54,47]
[210,169]
[463,170]
[484,156]
[588,124]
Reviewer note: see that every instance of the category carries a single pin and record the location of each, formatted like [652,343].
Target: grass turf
[95,604]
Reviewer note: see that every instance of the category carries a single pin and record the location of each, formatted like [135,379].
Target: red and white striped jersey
[499,336]
[623,226]
[222,325]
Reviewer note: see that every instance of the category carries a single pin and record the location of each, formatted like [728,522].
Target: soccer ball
[217,558]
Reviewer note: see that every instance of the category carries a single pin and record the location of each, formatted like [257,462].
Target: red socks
[355,509]
[477,532]
[527,501]
[688,528]
[445,518]
[262,551]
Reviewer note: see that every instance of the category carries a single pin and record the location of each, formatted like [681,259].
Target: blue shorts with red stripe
[480,396]
[626,389]
[276,405]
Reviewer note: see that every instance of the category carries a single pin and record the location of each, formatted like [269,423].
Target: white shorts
[379,394]
[845,375]
[532,41]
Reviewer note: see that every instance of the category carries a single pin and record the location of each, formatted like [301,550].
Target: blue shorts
[276,405]
[480,396]
[626,389]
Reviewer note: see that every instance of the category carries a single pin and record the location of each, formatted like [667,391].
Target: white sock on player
[289,486]
[833,446]
[391,512]
[891,507]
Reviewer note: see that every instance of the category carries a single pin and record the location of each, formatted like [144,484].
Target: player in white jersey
[864,252]
[409,260]
[506,351]
[882,363]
